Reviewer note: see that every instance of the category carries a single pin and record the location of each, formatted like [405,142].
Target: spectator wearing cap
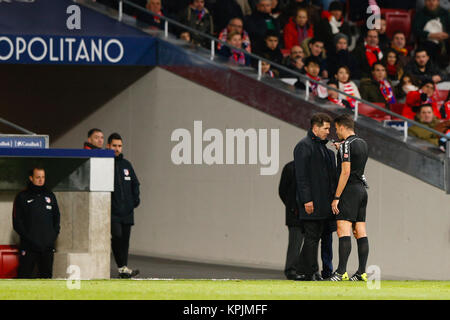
[414,99]
[260,22]
[236,25]
[367,53]
[423,68]
[342,57]
[331,24]
[377,89]
[198,17]
[334,96]
[426,117]
[312,68]
[297,29]
[431,26]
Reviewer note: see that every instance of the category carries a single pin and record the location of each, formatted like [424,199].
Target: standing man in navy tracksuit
[36,219]
[123,201]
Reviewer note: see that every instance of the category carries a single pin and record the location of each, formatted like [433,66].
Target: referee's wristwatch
[336,198]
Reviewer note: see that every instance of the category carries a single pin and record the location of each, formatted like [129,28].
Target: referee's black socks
[345,247]
[363,253]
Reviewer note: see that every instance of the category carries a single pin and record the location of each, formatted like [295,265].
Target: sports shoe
[338,277]
[127,273]
[359,277]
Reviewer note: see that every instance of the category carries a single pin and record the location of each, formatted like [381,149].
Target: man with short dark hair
[377,89]
[367,53]
[350,200]
[422,68]
[315,171]
[95,139]
[124,200]
[36,219]
[426,117]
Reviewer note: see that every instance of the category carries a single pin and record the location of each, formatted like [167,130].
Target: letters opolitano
[70,49]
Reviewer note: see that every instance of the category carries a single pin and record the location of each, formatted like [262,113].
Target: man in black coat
[123,201]
[287,191]
[36,219]
[315,171]
[260,22]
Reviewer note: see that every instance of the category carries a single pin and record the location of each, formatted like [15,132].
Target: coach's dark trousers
[120,242]
[293,260]
[326,252]
[28,261]
[313,232]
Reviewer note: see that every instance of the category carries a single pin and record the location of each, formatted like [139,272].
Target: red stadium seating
[397,108]
[397,20]
[373,113]
[9,261]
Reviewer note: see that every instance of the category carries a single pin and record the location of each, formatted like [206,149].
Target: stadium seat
[285,52]
[397,20]
[373,113]
[397,108]
[9,261]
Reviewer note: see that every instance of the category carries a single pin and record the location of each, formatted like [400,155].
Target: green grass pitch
[220,290]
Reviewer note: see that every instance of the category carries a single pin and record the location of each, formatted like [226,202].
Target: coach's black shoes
[359,277]
[314,277]
[294,276]
[127,273]
[338,277]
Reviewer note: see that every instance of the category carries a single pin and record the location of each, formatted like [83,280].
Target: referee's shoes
[338,277]
[359,277]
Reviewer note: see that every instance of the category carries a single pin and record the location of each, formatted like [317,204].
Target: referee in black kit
[350,201]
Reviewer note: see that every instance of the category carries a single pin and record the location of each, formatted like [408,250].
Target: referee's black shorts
[353,203]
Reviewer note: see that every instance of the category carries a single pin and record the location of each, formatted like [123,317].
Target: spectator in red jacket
[297,29]
[414,99]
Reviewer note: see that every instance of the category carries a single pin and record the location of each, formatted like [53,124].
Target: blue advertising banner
[19,141]
[63,32]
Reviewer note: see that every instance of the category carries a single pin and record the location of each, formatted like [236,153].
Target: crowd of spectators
[328,41]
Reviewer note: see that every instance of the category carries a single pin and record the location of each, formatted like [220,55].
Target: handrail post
[120,11]
[447,166]
[307,90]
[259,69]
[166,29]
[405,131]
[213,45]
[356,111]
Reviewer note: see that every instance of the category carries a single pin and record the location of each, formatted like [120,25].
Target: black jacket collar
[316,138]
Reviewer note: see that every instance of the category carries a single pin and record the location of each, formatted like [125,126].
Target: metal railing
[298,75]
[15,126]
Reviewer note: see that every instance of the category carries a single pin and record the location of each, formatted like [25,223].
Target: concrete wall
[230,214]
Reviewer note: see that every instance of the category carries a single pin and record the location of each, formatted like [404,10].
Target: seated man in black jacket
[124,200]
[260,22]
